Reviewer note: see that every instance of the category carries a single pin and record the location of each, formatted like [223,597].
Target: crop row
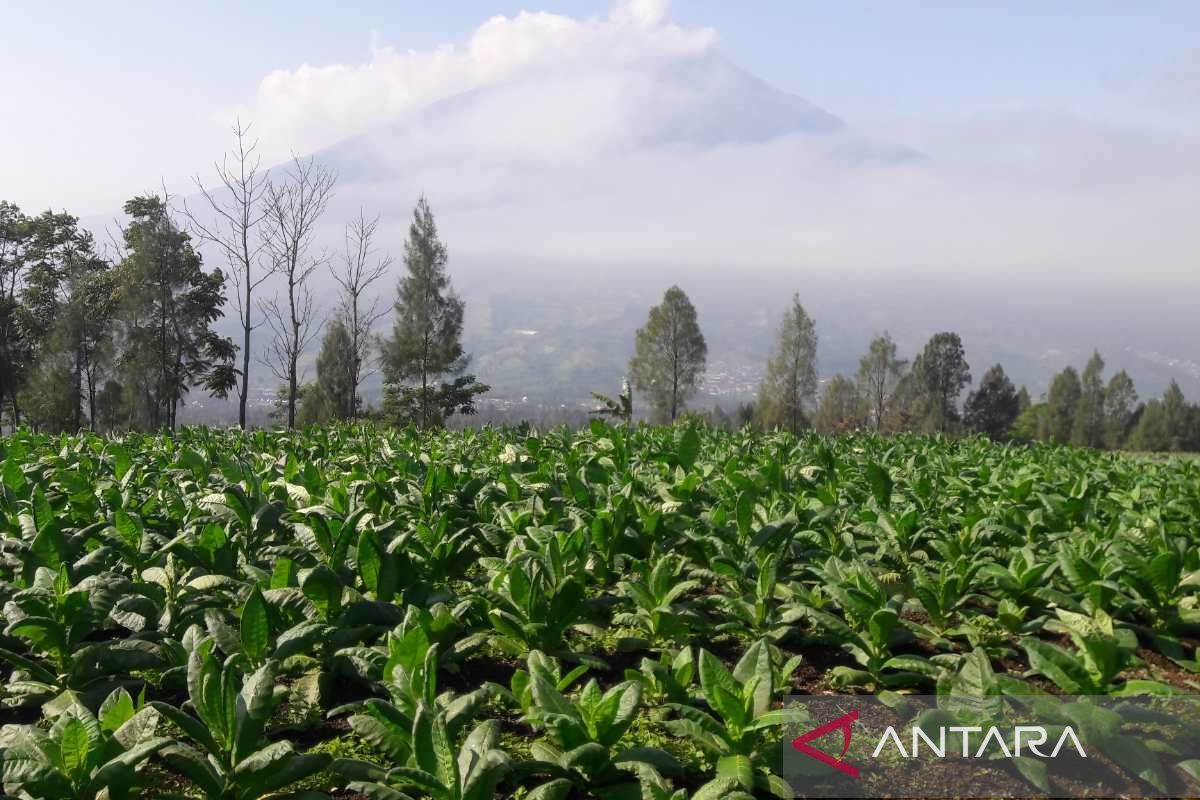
[601,613]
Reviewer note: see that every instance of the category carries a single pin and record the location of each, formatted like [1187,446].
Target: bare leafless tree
[237,208]
[360,266]
[294,202]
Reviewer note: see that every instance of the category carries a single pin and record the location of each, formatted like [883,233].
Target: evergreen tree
[1178,418]
[1058,419]
[168,305]
[879,373]
[425,344]
[941,372]
[1023,401]
[1088,426]
[1120,401]
[994,406]
[331,397]
[788,392]
[669,355]
[841,407]
[1027,426]
[1152,433]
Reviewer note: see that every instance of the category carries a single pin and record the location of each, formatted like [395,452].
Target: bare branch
[294,205]
[360,266]
[234,211]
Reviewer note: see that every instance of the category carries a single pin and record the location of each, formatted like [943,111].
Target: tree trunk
[424,399]
[357,362]
[245,357]
[293,356]
[76,388]
[92,400]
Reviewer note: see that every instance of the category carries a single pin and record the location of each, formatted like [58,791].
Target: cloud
[626,138]
[640,13]
[1041,199]
[311,107]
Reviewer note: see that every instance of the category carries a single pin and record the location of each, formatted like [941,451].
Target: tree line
[891,394]
[119,336]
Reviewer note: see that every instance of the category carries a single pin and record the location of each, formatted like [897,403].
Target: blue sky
[109,98]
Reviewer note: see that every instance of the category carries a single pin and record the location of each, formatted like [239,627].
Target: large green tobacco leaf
[247,587]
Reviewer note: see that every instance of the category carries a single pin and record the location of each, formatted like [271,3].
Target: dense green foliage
[425,347]
[568,614]
[669,355]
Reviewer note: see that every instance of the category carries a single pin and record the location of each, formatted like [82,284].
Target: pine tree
[788,392]
[1178,418]
[1120,401]
[670,355]
[1152,433]
[1023,401]
[1058,418]
[1088,426]
[993,407]
[425,345]
[331,396]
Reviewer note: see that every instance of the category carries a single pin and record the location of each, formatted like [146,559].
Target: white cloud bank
[311,107]
[628,138]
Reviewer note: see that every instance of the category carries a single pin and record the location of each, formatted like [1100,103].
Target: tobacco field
[605,613]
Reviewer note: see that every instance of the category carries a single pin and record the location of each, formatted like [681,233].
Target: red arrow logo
[842,723]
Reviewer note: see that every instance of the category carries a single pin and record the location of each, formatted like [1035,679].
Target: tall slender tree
[295,203]
[14,241]
[789,390]
[425,345]
[361,265]
[331,396]
[670,354]
[1087,429]
[1120,402]
[67,300]
[1178,418]
[231,225]
[1058,418]
[879,373]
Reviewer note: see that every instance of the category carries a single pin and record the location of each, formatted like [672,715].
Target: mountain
[702,101]
[571,196]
